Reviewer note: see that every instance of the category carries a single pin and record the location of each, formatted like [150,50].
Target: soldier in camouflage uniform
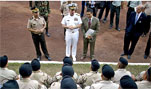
[93,76]
[44,11]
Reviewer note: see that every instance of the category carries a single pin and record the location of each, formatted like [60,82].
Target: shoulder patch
[77,14]
[31,18]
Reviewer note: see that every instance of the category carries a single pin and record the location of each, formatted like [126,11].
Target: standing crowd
[137,25]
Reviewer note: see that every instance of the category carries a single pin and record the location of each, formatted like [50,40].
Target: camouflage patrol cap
[34,10]
[72,6]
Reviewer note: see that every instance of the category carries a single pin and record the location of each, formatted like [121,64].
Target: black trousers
[40,40]
[130,10]
[64,28]
[46,19]
[130,39]
[82,9]
[94,11]
[114,10]
[147,50]
[107,7]
[148,20]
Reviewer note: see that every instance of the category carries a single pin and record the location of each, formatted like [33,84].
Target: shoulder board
[41,17]
[77,14]
[66,14]
[31,18]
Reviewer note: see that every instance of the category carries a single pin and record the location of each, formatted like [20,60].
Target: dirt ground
[16,41]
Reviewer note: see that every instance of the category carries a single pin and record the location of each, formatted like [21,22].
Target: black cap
[123,61]
[3,61]
[126,82]
[107,71]
[95,65]
[11,84]
[68,83]
[67,60]
[149,74]
[25,70]
[89,10]
[67,70]
[35,64]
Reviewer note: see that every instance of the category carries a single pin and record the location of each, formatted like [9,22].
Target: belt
[37,34]
[116,6]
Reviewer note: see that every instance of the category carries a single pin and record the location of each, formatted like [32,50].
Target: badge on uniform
[75,19]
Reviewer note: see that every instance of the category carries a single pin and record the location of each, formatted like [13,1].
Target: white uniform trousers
[71,41]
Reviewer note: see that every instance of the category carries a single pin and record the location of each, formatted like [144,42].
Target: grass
[51,69]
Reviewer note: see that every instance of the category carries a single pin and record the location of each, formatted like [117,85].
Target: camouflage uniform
[44,10]
[89,78]
[42,78]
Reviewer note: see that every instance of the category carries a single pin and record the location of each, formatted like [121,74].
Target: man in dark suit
[135,28]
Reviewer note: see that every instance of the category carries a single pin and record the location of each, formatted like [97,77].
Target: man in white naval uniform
[72,22]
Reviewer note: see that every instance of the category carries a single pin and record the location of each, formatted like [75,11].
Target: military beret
[11,84]
[123,61]
[35,64]
[126,82]
[149,74]
[95,65]
[72,6]
[34,9]
[67,70]
[3,61]
[25,70]
[67,60]
[68,83]
[107,71]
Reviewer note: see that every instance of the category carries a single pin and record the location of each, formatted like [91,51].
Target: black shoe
[145,56]
[104,20]
[110,27]
[49,59]
[118,29]
[48,35]
[129,57]
[123,54]
[39,58]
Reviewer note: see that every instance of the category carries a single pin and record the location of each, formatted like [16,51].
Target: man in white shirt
[72,22]
[121,71]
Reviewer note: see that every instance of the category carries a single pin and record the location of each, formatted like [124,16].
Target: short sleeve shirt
[36,23]
[119,74]
[72,21]
[6,74]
